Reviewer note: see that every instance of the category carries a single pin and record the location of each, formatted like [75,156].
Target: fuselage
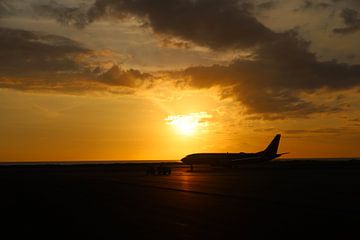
[217,158]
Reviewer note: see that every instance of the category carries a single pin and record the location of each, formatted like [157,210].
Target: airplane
[233,159]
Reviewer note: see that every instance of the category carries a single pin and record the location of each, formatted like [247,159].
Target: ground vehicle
[159,170]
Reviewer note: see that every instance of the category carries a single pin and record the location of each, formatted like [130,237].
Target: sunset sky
[160,79]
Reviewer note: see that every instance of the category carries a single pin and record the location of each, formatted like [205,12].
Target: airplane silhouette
[231,159]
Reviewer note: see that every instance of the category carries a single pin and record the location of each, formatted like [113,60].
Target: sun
[188,124]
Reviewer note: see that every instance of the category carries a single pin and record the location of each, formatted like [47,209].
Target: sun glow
[190,123]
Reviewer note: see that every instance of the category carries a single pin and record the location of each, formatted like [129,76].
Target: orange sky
[139,83]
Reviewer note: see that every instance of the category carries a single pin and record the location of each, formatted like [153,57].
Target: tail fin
[271,151]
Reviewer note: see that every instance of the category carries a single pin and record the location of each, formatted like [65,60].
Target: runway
[115,201]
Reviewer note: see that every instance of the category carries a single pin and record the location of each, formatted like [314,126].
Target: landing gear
[163,170]
[160,170]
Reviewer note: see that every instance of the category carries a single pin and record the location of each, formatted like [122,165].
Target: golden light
[185,124]
[190,123]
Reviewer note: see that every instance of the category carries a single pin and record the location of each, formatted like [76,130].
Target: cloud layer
[270,81]
[351,18]
[39,61]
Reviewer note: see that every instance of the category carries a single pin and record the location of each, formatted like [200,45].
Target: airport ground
[303,200]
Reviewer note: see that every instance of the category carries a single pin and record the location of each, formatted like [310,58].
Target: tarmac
[120,201]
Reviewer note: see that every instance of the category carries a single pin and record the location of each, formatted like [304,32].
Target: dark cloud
[6,9]
[270,82]
[174,43]
[266,5]
[309,4]
[211,23]
[19,8]
[69,16]
[38,61]
[23,52]
[339,130]
[317,131]
[265,129]
[325,131]
[351,19]
[116,76]
[357,120]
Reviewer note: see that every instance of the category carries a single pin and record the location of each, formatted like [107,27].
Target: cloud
[25,51]
[341,130]
[308,4]
[66,15]
[271,81]
[38,61]
[211,23]
[5,8]
[266,5]
[117,77]
[351,18]
[325,131]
